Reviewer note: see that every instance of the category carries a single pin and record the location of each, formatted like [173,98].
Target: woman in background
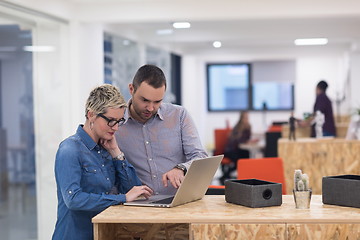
[241,133]
[91,171]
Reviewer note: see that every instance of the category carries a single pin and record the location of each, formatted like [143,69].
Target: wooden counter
[213,218]
[318,158]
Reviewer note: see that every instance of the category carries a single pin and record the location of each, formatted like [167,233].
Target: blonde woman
[241,133]
[91,171]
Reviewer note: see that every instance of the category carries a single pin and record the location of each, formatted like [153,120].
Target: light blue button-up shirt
[154,148]
[88,181]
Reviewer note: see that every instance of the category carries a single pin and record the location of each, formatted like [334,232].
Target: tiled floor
[18,214]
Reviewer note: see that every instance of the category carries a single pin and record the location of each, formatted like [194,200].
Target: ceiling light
[311,41]
[217,44]
[164,31]
[39,48]
[181,25]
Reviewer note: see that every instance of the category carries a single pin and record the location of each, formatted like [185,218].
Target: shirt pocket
[89,170]
[92,179]
[169,143]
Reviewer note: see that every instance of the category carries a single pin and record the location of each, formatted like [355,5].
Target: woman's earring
[91,125]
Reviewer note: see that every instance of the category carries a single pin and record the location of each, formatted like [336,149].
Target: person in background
[241,133]
[159,139]
[90,169]
[323,104]
[292,126]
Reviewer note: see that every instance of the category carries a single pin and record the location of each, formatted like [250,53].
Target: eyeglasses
[112,122]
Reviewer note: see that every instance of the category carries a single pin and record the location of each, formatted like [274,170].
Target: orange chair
[267,169]
[275,128]
[216,190]
[221,137]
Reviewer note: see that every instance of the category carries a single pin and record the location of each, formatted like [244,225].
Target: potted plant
[301,191]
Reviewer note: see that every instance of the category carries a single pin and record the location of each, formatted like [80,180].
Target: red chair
[221,137]
[216,190]
[275,128]
[267,169]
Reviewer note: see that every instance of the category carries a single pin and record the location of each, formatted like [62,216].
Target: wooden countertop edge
[237,221]
[318,213]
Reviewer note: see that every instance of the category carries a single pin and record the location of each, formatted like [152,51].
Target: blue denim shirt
[88,181]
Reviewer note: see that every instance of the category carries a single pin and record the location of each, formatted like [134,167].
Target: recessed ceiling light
[311,41]
[181,25]
[217,44]
[39,48]
[164,31]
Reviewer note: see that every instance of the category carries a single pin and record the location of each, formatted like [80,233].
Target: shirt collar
[87,140]
[160,112]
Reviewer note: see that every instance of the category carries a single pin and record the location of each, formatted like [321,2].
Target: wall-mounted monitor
[259,85]
[272,96]
[228,86]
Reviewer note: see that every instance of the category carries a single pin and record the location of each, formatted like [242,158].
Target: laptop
[195,184]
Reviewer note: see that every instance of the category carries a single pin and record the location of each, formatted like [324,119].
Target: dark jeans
[328,134]
[235,155]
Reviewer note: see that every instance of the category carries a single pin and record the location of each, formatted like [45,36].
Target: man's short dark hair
[322,85]
[150,74]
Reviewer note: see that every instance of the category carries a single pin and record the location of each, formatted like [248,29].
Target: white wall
[309,72]
[51,112]
[62,82]
[355,81]
[86,67]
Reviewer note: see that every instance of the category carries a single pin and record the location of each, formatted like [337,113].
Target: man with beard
[159,139]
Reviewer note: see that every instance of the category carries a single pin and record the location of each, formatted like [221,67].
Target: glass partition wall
[17,156]
[34,76]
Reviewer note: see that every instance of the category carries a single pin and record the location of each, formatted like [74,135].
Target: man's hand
[175,176]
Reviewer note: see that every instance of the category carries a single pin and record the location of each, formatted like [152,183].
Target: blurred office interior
[53,52]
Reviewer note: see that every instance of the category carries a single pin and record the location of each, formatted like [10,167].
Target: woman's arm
[68,173]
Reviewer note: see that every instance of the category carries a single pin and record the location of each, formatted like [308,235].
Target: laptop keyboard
[164,201]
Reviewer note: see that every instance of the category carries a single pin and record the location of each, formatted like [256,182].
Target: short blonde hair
[103,97]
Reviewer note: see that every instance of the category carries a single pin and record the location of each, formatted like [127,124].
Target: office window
[228,86]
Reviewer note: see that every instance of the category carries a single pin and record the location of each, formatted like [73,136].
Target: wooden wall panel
[323,231]
[140,230]
[318,158]
[238,231]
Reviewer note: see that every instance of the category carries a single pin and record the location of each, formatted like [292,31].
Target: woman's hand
[111,146]
[138,191]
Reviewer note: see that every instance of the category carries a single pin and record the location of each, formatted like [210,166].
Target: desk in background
[255,149]
[318,158]
[213,217]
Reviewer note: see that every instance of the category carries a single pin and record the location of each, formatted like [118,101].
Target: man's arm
[192,149]
[190,138]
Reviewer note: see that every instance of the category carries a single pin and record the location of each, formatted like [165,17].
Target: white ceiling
[246,34]
[241,25]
